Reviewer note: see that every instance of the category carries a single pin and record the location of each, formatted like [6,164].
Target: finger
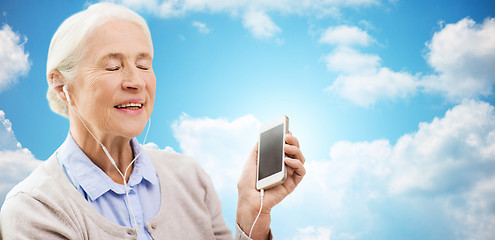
[295,174]
[255,148]
[297,166]
[290,171]
[254,153]
[248,174]
[294,152]
[291,140]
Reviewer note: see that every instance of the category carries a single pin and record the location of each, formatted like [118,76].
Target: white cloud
[221,146]
[346,36]
[368,88]
[312,233]
[355,174]
[363,80]
[260,25]
[202,28]
[350,61]
[441,175]
[463,55]
[254,12]
[13,59]
[153,145]
[16,165]
[16,162]
[366,24]
[174,8]
[7,138]
[448,155]
[477,215]
[433,183]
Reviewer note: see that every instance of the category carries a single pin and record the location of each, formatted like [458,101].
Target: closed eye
[114,68]
[143,61]
[143,67]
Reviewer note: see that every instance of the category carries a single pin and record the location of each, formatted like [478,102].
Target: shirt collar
[143,166]
[85,174]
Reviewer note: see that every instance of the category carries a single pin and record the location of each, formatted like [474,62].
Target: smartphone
[271,169]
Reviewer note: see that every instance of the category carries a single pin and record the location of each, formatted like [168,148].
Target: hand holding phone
[262,172]
[271,169]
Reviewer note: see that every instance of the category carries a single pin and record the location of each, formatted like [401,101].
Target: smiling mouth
[129,106]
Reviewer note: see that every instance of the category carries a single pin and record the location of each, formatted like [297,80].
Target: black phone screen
[271,151]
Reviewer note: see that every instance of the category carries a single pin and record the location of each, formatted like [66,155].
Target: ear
[58,81]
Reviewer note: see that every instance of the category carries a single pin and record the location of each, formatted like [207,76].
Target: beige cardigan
[46,206]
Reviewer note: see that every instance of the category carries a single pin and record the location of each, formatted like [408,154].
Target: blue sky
[392,102]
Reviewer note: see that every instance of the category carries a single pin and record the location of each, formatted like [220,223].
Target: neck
[119,148]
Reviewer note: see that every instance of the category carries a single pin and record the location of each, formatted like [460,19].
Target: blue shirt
[107,196]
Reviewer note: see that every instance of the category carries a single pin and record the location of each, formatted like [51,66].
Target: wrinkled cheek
[92,73]
[152,91]
[151,106]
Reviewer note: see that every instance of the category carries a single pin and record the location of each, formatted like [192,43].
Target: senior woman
[101,183]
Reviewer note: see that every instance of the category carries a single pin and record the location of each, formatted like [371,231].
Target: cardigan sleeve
[24,217]
[212,201]
[240,235]
[218,224]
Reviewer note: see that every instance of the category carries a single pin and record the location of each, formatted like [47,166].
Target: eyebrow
[109,56]
[142,55]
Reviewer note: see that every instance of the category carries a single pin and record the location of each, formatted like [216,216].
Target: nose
[132,79]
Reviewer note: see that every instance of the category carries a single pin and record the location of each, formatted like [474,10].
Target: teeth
[129,105]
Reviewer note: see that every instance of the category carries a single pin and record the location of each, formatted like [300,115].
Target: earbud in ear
[64,88]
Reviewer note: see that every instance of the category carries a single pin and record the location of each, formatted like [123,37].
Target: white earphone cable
[124,176]
[262,192]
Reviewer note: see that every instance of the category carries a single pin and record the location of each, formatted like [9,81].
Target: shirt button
[153,226]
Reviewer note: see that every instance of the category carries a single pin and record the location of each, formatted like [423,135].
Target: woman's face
[114,88]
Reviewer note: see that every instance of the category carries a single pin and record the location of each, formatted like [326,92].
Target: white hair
[67,45]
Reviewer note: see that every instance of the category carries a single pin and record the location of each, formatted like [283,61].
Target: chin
[130,132]
[136,131]
[130,127]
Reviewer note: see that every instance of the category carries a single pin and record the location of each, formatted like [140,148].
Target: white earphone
[64,88]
